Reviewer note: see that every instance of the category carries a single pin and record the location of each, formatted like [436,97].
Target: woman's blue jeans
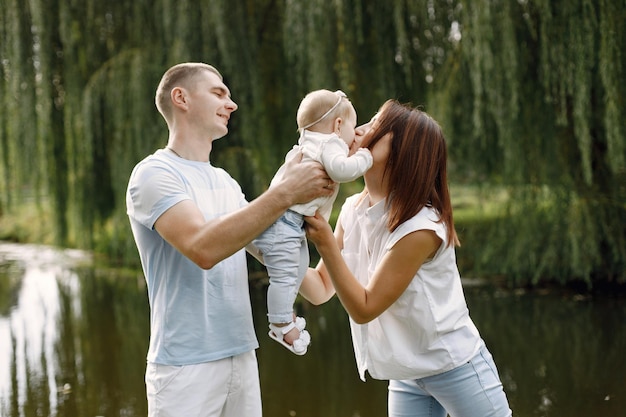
[471,390]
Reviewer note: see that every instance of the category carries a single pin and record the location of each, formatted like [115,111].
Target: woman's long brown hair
[416,166]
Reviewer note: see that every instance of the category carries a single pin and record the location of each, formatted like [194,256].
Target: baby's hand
[355,145]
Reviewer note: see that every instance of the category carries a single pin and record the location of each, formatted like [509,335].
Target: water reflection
[29,307]
[73,341]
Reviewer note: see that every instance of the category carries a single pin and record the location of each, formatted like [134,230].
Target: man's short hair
[180,75]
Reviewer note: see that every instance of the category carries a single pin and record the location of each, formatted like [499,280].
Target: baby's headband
[341,95]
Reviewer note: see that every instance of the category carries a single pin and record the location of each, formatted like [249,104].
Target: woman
[392,264]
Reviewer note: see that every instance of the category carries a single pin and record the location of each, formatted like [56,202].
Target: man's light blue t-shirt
[196,315]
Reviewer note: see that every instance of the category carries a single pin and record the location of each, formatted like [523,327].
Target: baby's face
[347,128]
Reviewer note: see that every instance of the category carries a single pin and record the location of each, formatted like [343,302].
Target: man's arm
[207,243]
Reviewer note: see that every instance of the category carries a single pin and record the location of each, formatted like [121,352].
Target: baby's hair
[321,105]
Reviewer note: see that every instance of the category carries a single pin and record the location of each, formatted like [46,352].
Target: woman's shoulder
[428,213]
[427,218]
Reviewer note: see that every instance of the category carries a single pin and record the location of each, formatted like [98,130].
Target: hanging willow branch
[572,180]
[611,65]
[530,94]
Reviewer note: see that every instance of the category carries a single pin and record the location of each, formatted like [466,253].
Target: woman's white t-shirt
[426,331]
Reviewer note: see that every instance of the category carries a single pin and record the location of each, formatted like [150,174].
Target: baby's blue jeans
[286,257]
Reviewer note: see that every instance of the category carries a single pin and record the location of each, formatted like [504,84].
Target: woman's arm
[391,277]
[317,286]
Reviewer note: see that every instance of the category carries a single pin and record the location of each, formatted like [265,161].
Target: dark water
[73,340]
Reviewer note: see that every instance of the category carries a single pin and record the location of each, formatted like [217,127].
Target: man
[191,223]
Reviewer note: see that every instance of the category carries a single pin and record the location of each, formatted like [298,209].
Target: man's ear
[179,98]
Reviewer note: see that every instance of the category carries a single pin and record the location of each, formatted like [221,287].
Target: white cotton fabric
[426,331]
[196,315]
[332,152]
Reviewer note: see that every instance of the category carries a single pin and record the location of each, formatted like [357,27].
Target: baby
[326,122]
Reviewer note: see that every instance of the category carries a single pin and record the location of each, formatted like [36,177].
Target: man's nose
[231,105]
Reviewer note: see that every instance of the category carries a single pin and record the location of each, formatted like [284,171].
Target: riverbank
[478,211]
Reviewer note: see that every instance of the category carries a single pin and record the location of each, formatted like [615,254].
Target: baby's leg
[286,265]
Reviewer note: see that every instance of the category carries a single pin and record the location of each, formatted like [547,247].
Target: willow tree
[530,95]
[21,180]
[538,107]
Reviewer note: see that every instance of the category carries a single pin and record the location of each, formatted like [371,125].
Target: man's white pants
[228,387]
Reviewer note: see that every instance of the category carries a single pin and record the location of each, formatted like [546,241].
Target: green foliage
[530,94]
[9,287]
[544,124]
[571,239]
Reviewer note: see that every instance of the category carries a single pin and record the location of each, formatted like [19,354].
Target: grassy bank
[531,247]
[30,223]
[474,210]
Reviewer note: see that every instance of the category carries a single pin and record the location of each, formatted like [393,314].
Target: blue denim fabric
[286,257]
[471,390]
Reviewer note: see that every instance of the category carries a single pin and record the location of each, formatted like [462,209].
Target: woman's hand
[390,279]
[319,231]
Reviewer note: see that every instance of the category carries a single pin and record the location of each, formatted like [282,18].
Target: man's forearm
[225,236]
